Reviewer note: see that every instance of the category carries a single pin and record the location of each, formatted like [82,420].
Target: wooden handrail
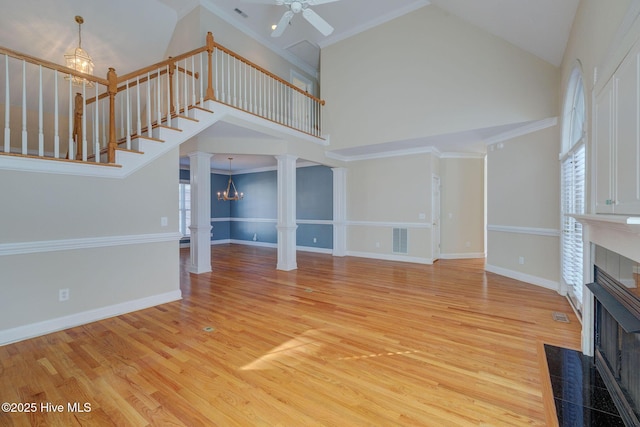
[268,73]
[142,80]
[169,61]
[51,65]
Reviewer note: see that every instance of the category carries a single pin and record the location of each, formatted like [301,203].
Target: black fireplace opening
[617,336]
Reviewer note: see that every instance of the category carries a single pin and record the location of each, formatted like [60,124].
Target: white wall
[387,193]
[100,238]
[523,195]
[429,73]
[462,207]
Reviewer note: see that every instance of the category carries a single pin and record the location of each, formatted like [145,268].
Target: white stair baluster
[194,100]
[56,130]
[177,86]
[201,82]
[24,107]
[84,120]
[168,97]
[96,127]
[122,120]
[218,76]
[128,113]
[7,129]
[158,100]
[149,107]
[138,118]
[105,124]
[71,150]
[186,90]
[40,112]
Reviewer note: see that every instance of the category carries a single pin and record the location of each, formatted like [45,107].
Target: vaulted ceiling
[131,34]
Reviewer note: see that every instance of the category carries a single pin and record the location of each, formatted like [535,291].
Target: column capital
[200,155]
[285,157]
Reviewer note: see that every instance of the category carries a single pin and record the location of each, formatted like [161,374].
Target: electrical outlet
[63,295]
[315,240]
[468,244]
[377,244]
[521,260]
[422,215]
[164,221]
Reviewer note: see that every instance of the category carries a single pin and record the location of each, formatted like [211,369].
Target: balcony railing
[54,112]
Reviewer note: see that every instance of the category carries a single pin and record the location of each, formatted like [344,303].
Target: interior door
[435,217]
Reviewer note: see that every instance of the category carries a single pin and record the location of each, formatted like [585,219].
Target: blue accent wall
[314,193]
[314,201]
[322,232]
[261,195]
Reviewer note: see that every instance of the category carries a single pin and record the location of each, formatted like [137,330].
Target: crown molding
[384,154]
[454,155]
[522,130]
[375,22]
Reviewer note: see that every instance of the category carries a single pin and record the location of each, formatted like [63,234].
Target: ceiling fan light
[296,6]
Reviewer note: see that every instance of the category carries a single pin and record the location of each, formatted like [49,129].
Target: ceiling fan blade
[317,2]
[315,20]
[282,24]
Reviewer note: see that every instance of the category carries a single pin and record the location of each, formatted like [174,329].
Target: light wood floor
[339,342]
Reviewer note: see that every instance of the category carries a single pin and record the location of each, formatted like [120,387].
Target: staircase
[73,123]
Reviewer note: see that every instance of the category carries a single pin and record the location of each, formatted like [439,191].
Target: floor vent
[400,241]
[560,317]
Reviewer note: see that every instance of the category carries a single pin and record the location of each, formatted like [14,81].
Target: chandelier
[78,59]
[226,195]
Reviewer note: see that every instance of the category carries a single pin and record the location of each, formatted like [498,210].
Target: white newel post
[286,212]
[339,211]
[200,178]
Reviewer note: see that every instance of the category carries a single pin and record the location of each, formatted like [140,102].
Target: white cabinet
[617,140]
[603,146]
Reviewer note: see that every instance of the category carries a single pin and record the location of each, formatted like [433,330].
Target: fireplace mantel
[619,233]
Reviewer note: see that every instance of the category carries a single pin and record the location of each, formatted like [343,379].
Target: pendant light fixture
[78,59]
[227,195]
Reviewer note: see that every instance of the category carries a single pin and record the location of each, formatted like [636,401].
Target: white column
[339,211]
[286,212]
[200,177]
[588,306]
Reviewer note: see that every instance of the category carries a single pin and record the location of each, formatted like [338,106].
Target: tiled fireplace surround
[616,233]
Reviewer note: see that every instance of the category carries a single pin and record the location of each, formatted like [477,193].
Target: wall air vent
[241,13]
[400,241]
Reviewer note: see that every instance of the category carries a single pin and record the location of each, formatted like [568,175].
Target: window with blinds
[573,202]
[573,186]
[185,208]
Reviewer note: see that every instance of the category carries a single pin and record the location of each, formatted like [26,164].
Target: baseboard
[32,330]
[469,255]
[527,278]
[390,257]
[314,250]
[252,243]
[270,245]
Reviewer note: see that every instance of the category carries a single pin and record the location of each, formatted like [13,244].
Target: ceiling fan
[299,6]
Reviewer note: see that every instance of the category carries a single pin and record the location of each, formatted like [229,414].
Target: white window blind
[573,202]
